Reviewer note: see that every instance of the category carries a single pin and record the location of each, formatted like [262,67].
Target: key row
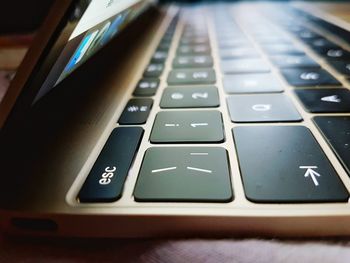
[273,169]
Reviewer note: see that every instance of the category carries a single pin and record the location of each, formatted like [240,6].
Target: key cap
[190,97]
[247,65]
[136,111]
[285,164]
[234,43]
[193,62]
[159,56]
[262,108]
[240,52]
[277,49]
[106,179]
[197,174]
[321,44]
[343,67]
[193,50]
[191,76]
[294,61]
[154,70]
[336,130]
[251,83]
[195,41]
[187,126]
[308,77]
[146,87]
[325,100]
[335,54]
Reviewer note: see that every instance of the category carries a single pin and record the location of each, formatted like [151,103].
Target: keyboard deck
[240,112]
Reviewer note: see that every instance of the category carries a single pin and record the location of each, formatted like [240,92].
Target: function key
[262,108]
[190,97]
[245,65]
[154,70]
[197,174]
[146,87]
[336,130]
[294,61]
[187,126]
[308,77]
[136,111]
[285,164]
[191,76]
[106,179]
[325,100]
[251,83]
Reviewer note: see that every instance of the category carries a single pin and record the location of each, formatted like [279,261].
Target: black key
[191,76]
[245,65]
[193,50]
[196,174]
[252,83]
[195,41]
[187,126]
[336,130]
[277,49]
[342,67]
[146,87]
[294,61]
[262,108]
[159,56]
[335,54]
[282,164]
[193,61]
[325,100]
[308,77]
[106,179]
[307,35]
[321,44]
[154,70]
[136,111]
[190,97]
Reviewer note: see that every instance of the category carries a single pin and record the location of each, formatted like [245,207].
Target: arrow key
[325,100]
[285,164]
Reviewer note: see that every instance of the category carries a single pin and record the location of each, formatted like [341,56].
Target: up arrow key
[310,172]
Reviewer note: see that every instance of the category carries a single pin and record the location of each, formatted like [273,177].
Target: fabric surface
[169,251]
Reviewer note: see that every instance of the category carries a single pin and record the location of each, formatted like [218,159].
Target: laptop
[134,118]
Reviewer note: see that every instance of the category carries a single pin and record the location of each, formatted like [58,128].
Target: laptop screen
[92,24]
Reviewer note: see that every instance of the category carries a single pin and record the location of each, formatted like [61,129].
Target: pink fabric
[169,251]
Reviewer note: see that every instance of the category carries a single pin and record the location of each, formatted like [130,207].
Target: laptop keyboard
[266,67]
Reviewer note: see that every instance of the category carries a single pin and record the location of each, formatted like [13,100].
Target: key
[191,76]
[154,70]
[277,49]
[159,56]
[234,43]
[321,44]
[136,111]
[336,130]
[308,77]
[335,54]
[240,52]
[187,126]
[325,100]
[262,108]
[190,97]
[146,87]
[193,50]
[247,65]
[294,61]
[285,164]
[106,179]
[193,62]
[197,174]
[251,83]
[343,67]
